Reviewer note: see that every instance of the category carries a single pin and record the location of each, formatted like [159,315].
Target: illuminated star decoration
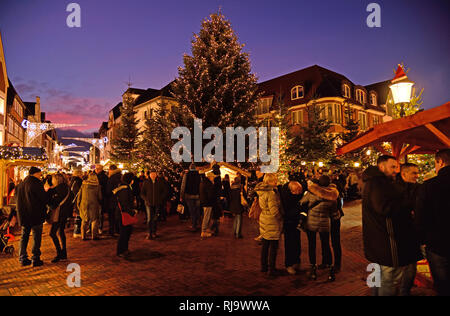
[34,130]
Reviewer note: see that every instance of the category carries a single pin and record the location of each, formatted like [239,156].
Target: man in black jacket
[115,179]
[31,212]
[387,240]
[190,193]
[103,181]
[432,220]
[154,193]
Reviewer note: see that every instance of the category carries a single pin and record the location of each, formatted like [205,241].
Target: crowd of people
[399,215]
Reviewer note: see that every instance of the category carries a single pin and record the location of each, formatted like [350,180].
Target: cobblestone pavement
[180,263]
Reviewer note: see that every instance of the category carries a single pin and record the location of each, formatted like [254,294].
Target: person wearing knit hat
[32,200]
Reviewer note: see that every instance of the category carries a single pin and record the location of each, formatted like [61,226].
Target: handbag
[255,210]
[53,214]
[180,208]
[127,219]
[244,202]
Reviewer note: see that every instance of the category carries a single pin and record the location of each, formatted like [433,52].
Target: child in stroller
[5,235]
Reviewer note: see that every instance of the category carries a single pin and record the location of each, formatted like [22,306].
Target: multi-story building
[3,93]
[15,114]
[334,95]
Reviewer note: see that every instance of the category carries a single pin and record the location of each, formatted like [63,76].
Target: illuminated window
[360,96]
[2,106]
[297,93]
[376,120]
[347,91]
[362,120]
[373,99]
[297,117]
[263,106]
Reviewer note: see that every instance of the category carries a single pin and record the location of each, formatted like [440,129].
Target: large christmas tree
[216,83]
[124,144]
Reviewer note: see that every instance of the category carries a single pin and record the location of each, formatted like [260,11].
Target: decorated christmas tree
[124,144]
[215,82]
[313,143]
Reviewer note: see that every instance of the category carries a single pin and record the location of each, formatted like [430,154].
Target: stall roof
[422,133]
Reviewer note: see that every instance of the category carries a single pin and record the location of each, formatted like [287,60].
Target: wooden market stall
[13,164]
[422,133]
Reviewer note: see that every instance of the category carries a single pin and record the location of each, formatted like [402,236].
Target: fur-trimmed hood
[329,193]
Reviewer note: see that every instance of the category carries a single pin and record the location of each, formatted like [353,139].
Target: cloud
[63,106]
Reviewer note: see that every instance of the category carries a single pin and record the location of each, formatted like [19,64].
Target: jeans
[237,225]
[152,215]
[440,271]
[59,226]
[269,254]
[124,238]
[394,281]
[194,210]
[206,218]
[325,243]
[336,242]
[292,244]
[37,238]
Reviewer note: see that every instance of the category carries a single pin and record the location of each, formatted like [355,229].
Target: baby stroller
[5,235]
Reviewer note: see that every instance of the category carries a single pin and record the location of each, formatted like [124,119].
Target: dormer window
[373,99]
[360,96]
[347,91]
[297,92]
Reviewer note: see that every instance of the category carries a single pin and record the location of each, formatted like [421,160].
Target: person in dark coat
[115,179]
[190,194]
[432,221]
[103,181]
[217,210]
[290,195]
[154,193]
[162,212]
[32,203]
[236,207]
[75,186]
[60,196]
[125,198]
[386,238]
[226,184]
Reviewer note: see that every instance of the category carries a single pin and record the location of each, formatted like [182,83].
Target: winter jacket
[89,201]
[387,238]
[235,206]
[103,181]
[57,196]
[291,204]
[154,193]
[125,198]
[322,207]
[208,197]
[271,218]
[433,213]
[32,202]
[190,186]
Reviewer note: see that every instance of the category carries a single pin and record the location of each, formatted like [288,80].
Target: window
[264,106]
[331,112]
[10,126]
[297,117]
[347,91]
[297,93]
[362,120]
[338,113]
[360,96]
[373,99]
[376,120]
[1,138]
[2,106]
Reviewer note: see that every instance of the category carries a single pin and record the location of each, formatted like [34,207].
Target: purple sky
[80,74]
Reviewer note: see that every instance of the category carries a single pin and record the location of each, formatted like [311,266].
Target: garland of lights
[34,130]
[16,153]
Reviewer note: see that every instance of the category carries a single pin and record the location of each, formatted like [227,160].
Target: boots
[313,272]
[331,275]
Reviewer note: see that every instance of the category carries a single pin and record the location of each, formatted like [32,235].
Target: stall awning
[422,133]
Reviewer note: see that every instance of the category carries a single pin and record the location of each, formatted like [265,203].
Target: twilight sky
[81,73]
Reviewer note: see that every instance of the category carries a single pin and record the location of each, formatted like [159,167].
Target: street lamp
[401,88]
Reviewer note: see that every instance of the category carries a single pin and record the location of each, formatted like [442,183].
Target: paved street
[180,263]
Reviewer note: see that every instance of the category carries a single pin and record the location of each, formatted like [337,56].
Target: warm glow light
[357,164]
[303,163]
[401,91]
[121,166]
[320,164]
[368,152]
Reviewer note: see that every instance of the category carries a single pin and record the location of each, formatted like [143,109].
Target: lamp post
[401,88]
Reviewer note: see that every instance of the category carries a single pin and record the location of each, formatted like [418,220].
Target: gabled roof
[381,89]
[11,94]
[116,111]
[317,82]
[150,94]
